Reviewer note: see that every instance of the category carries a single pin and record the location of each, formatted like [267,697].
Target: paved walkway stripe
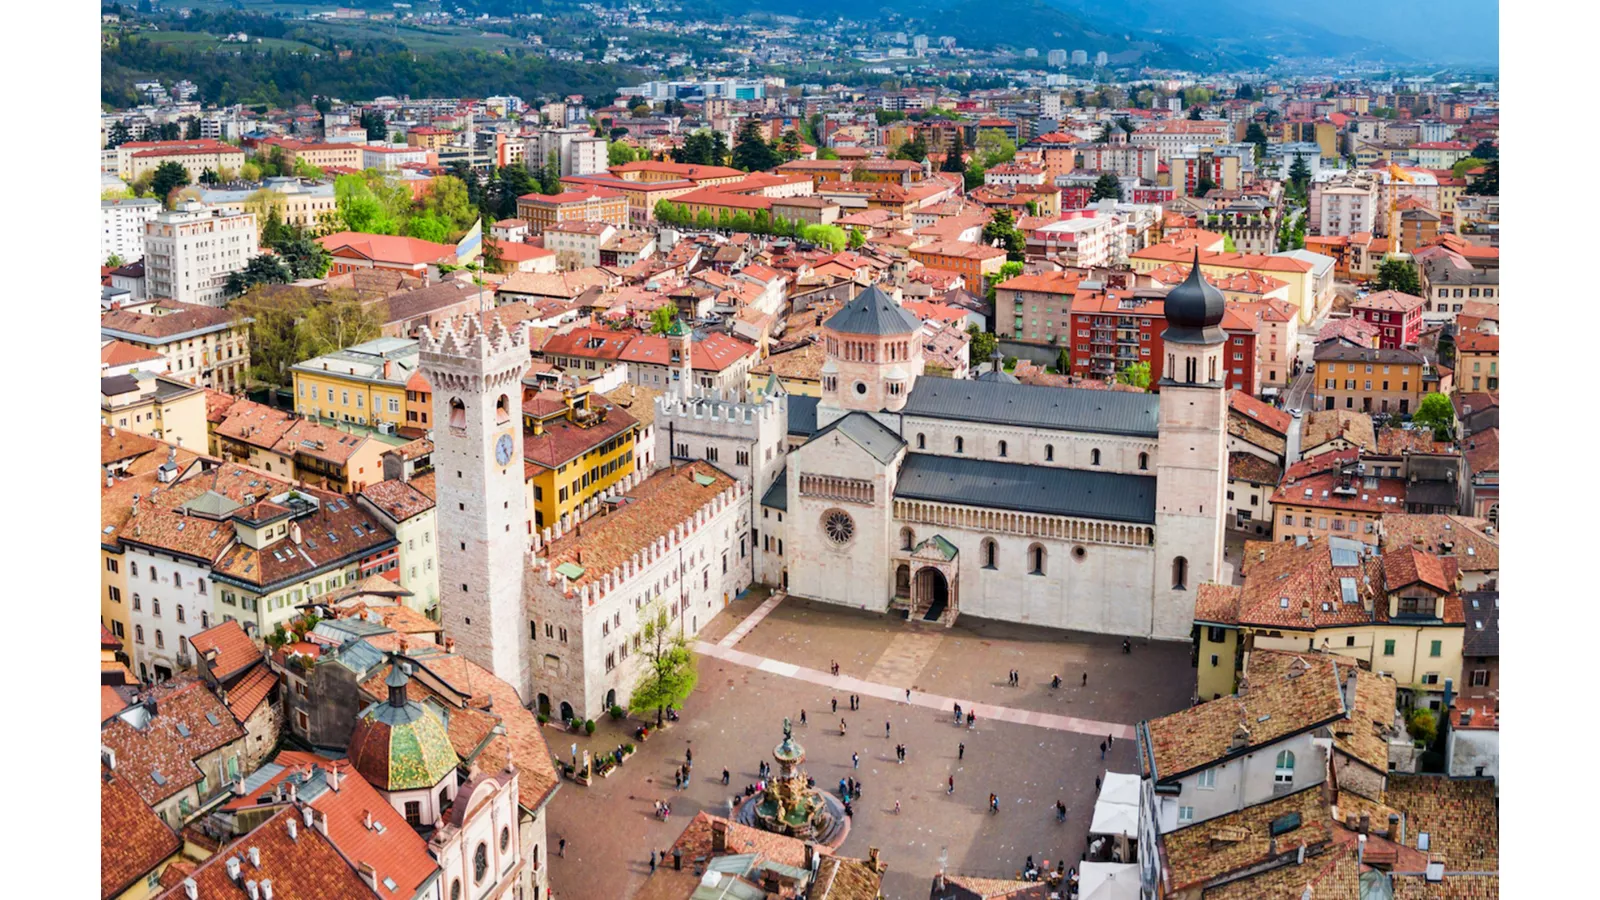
[732,638]
[852,685]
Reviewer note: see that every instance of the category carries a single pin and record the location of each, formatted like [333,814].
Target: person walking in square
[802,717]
[724,777]
[855,760]
[562,852]
[835,700]
[1102,749]
[886,730]
[961,751]
[908,695]
[994,803]
[952,788]
[652,862]
[841,728]
[1085,680]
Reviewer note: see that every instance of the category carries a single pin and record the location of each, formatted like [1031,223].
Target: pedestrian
[1102,749]
[908,695]
[849,812]
[688,755]
[652,862]
[1097,784]
[886,730]
[802,717]
[897,807]
[994,803]
[1111,740]
[952,789]
[1085,680]
[724,777]
[562,852]
[972,719]
[843,788]
[855,791]
[855,760]
[835,700]
[1126,646]
[841,728]
[961,751]
[1055,681]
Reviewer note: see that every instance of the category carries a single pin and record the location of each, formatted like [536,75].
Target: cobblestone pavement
[734,719]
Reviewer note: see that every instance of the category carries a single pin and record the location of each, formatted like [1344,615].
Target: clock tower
[482,517]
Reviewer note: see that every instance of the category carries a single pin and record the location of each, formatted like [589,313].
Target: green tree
[831,236]
[1488,184]
[993,148]
[751,152]
[1462,165]
[1194,114]
[1299,175]
[1002,228]
[1137,375]
[306,258]
[1486,150]
[1228,246]
[117,136]
[1422,726]
[168,177]
[954,157]
[719,149]
[114,261]
[264,268]
[1008,270]
[449,200]
[191,129]
[1258,136]
[1395,274]
[1106,187]
[663,317]
[1436,412]
[982,346]
[669,673]
[428,226]
[1063,361]
[1244,92]
[856,239]
[336,324]
[618,153]
[250,171]
[550,177]
[359,209]
[788,146]
[1204,186]
[375,124]
[915,150]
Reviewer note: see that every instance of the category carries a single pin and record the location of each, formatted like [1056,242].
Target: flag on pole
[471,243]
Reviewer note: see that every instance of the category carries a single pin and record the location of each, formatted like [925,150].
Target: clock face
[502,449]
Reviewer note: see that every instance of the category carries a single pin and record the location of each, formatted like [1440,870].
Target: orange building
[973,261]
[541,211]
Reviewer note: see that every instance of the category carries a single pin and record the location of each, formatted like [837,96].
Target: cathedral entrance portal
[934,591]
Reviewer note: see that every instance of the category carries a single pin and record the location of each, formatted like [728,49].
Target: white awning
[1108,881]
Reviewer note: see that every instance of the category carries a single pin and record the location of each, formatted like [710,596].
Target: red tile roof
[389,248]
[1407,566]
[160,747]
[133,839]
[1388,301]
[302,867]
[1268,415]
[234,649]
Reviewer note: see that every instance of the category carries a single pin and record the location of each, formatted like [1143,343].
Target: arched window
[1049,452]
[160,642]
[990,554]
[1213,369]
[1144,461]
[138,634]
[505,838]
[1094,457]
[1002,448]
[906,537]
[205,619]
[1036,559]
[1180,574]
[455,889]
[1172,365]
[153,575]
[133,569]
[480,862]
[960,445]
[922,441]
[502,409]
[1283,770]
[458,413]
[177,579]
[180,612]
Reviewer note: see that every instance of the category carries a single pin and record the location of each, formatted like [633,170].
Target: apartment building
[191,251]
[122,225]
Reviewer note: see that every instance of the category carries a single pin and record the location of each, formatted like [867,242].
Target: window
[1144,461]
[160,642]
[1436,648]
[960,446]
[1002,448]
[1049,453]
[458,412]
[1180,574]
[480,862]
[133,569]
[922,442]
[455,889]
[180,615]
[1216,634]
[1094,457]
[1283,770]
[906,538]
[505,839]
[111,564]
[1185,814]
[1036,559]
[990,554]
[1207,780]
[138,634]
[1480,677]
[414,813]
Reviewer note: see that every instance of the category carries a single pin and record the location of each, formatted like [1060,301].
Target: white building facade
[122,224]
[190,252]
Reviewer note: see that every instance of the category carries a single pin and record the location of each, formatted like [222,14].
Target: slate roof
[873,436]
[1015,486]
[803,414]
[1482,609]
[1031,406]
[873,312]
[777,496]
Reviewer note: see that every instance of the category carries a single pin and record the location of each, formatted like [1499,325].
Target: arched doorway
[611,699]
[902,581]
[933,590]
[566,711]
[544,705]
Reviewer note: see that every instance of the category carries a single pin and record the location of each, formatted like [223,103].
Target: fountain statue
[789,805]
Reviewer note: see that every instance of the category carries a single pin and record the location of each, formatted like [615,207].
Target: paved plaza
[761,661]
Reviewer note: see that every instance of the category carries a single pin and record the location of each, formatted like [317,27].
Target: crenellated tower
[481,520]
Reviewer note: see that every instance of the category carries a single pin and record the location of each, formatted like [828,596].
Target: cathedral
[927,497]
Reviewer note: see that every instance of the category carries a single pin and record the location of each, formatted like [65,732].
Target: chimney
[255,857]
[1300,854]
[366,819]
[1366,824]
[233,869]
[109,757]
[251,889]
[266,889]
[368,874]
[113,432]
[294,829]
[307,814]
[719,836]
[190,889]
[1361,849]
[677,859]
[334,777]
[1241,737]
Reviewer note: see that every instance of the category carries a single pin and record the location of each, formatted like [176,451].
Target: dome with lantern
[399,744]
[1194,310]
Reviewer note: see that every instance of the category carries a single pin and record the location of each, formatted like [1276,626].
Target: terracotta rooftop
[304,866]
[133,839]
[1460,816]
[660,502]
[1388,301]
[1363,734]
[561,440]
[166,320]
[1322,426]
[1225,845]
[235,651]
[1279,421]
[1249,467]
[1335,491]
[1270,709]
[397,499]
[157,754]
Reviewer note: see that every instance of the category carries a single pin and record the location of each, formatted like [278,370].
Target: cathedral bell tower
[1191,456]
[482,518]
[873,349]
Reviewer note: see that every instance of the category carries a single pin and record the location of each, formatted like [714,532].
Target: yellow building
[575,444]
[1308,288]
[202,345]
[1400,612]
[364,384]
[156,406]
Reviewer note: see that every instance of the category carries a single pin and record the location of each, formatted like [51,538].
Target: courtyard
[1032,744]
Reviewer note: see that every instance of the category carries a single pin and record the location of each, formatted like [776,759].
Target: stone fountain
[790,806]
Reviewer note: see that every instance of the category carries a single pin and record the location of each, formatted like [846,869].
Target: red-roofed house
[1397,316]
[231,664]
[353,250]
[592,204]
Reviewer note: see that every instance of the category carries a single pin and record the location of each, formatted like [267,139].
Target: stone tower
[1191,456]
[482,519]
[874,356]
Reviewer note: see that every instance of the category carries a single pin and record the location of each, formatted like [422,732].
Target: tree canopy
[1396,274]
[751,152]
[1106,187]
[669,673]
[1137,374]
[1002,228]
[168,177]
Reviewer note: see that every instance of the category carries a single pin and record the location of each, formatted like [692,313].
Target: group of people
[971,718]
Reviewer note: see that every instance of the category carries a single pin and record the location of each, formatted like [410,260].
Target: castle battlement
[707,407]
[467,338]
[654,551]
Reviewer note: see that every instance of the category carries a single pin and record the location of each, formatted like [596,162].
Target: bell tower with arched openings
[873,350]
[481,522]
[1191,455]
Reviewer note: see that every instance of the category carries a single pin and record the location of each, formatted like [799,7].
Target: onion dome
[1194,310]
[398,744]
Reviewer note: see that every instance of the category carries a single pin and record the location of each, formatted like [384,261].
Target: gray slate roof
[873,436]
[1034,406]
[1485,640]
[803,414]
[1016,486]
[873,312]
[777,496]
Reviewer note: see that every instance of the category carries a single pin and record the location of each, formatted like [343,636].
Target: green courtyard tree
[751,152]
[954,160]
[1396,274]
[1435,412]
[1002,228]
[982,346]
[265,268]
[662,317]
[1487,184]
[168,177]
[1137,375]
[669,674]
[1299,175]
[1106,187]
